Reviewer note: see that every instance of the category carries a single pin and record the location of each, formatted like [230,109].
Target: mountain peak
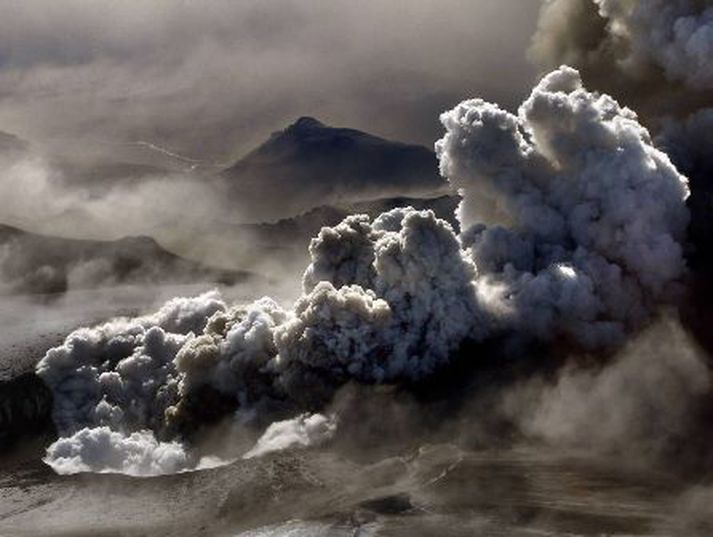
[306,123]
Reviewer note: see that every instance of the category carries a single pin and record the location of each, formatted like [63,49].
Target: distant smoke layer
[34,195]
[580,239]
[670,34]
[211,79]
[31,263]
[675,35]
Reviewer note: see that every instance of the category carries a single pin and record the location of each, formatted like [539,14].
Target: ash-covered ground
[427,490]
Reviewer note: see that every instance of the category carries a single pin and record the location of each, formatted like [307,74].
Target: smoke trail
[580,238]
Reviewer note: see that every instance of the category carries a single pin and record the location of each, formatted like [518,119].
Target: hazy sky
[213,78]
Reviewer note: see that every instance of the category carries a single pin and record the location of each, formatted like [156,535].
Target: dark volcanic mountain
[309,165]
[33,263]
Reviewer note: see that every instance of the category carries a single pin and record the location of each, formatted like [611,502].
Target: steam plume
[102,450]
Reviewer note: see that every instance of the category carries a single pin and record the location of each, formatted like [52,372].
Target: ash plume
[689,142]
[653,54]
[584,219]
[122,373]
[580,237]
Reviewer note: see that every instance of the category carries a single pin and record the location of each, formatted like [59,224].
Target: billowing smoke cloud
[389,299]
[655,56]
[580,237]
[122,373]
[586,217]
[112,386]
[102,450]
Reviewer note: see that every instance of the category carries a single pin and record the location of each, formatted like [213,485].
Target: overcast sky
[212,78]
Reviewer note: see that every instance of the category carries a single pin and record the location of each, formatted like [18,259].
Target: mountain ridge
[36,263]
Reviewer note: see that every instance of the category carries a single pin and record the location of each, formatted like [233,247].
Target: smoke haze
[192,78]
[539,281]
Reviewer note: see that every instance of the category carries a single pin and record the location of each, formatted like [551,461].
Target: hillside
[33,263]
